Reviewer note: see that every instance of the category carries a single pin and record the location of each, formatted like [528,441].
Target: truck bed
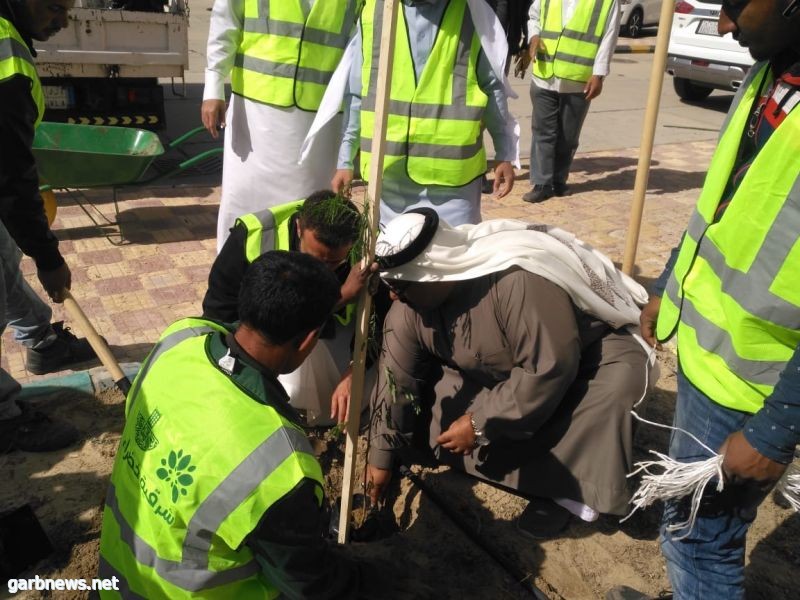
[117,43]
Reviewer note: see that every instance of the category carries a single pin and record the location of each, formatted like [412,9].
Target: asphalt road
[616,117]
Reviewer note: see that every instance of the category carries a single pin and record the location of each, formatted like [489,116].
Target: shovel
[97,343]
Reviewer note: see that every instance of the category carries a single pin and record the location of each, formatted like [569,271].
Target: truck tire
[689,90]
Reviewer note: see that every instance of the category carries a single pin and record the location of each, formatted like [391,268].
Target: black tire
[689,90]
[633,28]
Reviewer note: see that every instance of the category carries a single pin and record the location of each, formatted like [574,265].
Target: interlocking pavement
[134,277]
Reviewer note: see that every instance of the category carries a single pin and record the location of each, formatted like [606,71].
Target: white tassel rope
[650,364]
[667,479]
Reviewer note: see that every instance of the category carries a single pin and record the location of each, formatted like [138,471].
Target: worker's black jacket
[21,208]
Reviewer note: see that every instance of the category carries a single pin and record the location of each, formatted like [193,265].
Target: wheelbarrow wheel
[49,205]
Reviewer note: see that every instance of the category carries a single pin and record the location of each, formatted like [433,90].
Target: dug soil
[66,490]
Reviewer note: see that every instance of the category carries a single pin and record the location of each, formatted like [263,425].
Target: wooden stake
[97,343]
[648,135]
[375,176]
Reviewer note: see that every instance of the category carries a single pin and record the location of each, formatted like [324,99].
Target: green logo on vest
[175,471]
[145,438]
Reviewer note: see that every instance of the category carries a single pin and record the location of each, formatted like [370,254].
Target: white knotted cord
[667,479]
[651,361]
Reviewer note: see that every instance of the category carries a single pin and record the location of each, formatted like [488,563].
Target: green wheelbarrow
[73,157]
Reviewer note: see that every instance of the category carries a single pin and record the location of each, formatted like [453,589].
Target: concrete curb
[634,49]
[91,381]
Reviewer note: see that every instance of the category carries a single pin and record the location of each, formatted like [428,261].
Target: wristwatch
[480,438]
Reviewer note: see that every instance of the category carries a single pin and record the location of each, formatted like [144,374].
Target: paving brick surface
[134,277]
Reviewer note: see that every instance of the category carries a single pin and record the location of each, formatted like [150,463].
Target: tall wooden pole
[648,135]
[375,176]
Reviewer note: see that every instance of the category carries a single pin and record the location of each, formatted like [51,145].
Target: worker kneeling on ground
[522,341]
[215,492]
[325,226]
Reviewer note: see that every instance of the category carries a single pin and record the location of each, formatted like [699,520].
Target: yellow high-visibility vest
[286,58]
[436,123]
[16,59]
[567,51]
[733,296]
[199,464]
[268,229]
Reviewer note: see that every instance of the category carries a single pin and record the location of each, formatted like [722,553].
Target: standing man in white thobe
[279,55]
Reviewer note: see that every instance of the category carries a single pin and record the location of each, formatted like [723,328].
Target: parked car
[699,59]
[636,14]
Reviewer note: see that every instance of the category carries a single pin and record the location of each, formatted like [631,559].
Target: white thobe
[310,387]
[262,143]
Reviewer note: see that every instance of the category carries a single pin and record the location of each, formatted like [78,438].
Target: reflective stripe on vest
[200,462]
[435,125]
[568,52]
[285,58]
[268,229]
[16,59]
[733,296]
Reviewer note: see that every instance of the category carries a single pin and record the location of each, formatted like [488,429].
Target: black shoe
[34,431]
[543,519]
[65,351]
[561,189]
[539,193]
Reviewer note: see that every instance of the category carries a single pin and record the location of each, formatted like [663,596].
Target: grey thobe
[551,387]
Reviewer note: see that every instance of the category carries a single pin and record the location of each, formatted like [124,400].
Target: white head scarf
[471,251]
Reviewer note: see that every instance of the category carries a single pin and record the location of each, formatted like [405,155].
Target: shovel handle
[97,343]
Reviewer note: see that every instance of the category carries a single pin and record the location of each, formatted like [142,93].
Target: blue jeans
[708,564]
[20,307]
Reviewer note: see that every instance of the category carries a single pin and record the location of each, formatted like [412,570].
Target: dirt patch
[435,558]
[67,488]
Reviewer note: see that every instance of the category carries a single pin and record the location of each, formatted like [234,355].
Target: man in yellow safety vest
[325,226]
[215,491]
[444,92]
[730,294]
[571,46]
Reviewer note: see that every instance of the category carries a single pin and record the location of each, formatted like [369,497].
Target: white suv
[698,57]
